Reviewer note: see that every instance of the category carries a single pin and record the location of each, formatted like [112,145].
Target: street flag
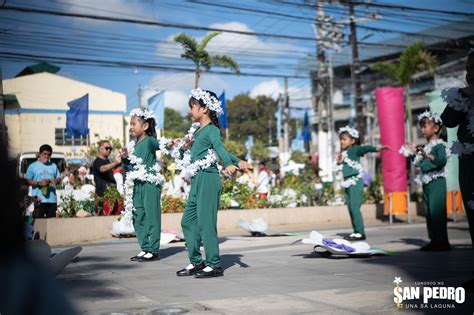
[278,118]
[249,145]
[223,117]
[77,117]
[307,131]
[156,103]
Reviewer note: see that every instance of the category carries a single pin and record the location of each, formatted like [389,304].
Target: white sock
[148,255]
[207,269]
[189,267]
[140,254]
[358,235]
[352,235]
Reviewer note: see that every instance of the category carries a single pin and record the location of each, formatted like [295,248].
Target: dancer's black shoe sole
[152,258]
[217,272]
[191,272]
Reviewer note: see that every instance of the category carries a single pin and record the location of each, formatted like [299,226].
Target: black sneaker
[214,272]
[149,257]
[440,247]
[191,271]
[427,247]
[355,237]
[137,256]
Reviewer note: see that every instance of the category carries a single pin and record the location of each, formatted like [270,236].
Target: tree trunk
[196,82]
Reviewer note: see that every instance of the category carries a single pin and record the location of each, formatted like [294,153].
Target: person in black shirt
[102,167]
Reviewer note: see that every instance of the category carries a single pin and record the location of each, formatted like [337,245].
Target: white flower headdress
[142,112]
[431,116]
[353,132]
[210,101]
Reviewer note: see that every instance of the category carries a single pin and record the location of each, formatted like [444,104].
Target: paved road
[270,275]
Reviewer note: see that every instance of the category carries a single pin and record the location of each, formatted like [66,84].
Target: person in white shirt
[263,182]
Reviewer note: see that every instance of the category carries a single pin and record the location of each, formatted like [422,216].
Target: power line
[172,25]
[127,64]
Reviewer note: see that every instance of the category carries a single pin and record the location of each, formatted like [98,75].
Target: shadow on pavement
[230,260]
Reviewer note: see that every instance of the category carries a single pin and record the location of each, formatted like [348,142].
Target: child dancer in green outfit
[143,185]
[431,159]
[352,172]
[199,222]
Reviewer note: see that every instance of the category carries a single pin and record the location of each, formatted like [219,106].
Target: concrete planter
[63,231]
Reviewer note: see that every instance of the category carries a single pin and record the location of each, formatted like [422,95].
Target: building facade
[36,106]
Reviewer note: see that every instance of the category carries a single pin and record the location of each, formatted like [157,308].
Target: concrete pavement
[270,275]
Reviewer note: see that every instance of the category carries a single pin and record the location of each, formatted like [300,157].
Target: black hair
[45,147]
[151,131]
[442,132]
[357,140]
[212,114]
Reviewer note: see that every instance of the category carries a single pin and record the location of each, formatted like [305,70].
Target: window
[61,138]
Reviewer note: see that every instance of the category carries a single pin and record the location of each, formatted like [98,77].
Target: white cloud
[231,44]
[115,8]
[178,86]
[300,97]
[269,88]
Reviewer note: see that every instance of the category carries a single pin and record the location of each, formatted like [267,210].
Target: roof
[38,68]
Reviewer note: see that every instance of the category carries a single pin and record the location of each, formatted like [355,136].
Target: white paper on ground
[361,248]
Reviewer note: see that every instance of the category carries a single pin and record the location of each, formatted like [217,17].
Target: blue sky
[65,36]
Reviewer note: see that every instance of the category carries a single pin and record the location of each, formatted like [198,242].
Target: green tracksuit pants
[199,222]
[354,196]
[147,215]
[434,198]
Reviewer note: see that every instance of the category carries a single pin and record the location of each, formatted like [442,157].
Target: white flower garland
[351,181]
[352,131]
[139,173]
[210,101]
[188,169]
[458,102]
[431,116]
[142,112]
[425,178]
[405,151]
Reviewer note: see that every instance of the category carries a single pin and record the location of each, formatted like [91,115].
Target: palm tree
[414,59]
[201,58]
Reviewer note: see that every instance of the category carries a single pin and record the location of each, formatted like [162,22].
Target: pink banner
[391,113]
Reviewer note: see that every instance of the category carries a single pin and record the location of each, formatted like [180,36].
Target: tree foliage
[203,61]
[175,124]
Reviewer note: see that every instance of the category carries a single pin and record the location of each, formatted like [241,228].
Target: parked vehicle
[25,159]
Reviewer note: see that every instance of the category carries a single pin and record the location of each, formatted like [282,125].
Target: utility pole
[139,94]
[357,101]
[321,94]
[286,135]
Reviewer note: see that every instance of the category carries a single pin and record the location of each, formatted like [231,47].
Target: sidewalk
[268,275]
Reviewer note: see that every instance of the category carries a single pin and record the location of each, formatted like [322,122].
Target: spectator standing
[42,176]
[263,182]
[102,167]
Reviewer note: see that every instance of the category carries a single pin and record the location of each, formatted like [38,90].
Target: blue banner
[223,117]
[307,130]
[156,103]
[249,145]
[77,118]
[278,117]
[297,144]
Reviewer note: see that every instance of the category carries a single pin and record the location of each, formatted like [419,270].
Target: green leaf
[206,40]
[226,62]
